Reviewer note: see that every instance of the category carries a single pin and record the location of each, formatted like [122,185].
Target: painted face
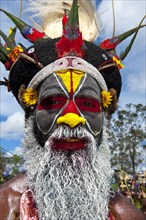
[72,98]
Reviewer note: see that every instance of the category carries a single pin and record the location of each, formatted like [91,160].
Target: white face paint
[67,185]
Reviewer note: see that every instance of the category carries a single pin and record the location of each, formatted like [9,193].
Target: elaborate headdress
[29,67]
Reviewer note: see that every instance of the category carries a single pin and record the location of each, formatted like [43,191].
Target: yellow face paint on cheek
[71,78]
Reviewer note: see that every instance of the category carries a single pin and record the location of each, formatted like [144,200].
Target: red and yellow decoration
[106,98]
[30,97]
[118,62]
[109,44]
[15,52]
[71,42]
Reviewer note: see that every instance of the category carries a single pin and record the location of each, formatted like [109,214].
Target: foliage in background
[133,187]
[127,131]
[10,165]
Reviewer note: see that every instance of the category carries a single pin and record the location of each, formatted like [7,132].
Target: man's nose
[71,116]
[71,119]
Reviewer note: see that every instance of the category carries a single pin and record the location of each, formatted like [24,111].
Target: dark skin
[10,193]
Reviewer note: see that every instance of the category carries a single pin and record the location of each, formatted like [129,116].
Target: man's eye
[88,104]
[52,103]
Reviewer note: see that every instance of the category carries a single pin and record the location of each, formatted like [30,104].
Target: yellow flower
[30,97]
[106,98]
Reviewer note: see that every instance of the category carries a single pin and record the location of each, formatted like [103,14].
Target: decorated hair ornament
[71,42]
[10,51]
[15,52]
[109,45]
[107,64]
[106,98]
[30,59]
[26,30]
[51,17]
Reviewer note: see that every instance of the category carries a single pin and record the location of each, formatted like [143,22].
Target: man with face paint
[67,101]
[71,155]
[68,88]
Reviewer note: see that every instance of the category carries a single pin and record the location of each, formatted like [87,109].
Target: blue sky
[128,15]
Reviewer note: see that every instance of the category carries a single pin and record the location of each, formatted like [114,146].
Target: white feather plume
[51,14]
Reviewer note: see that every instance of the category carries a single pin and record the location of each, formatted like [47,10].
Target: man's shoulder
[122,208]
[17,183]
[10,194]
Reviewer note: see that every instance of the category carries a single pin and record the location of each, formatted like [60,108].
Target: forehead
[69,81]
[69,63]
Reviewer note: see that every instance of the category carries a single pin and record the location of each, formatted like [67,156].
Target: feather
[51,14]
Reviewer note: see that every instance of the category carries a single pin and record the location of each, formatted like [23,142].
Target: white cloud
[12,128]
[18,151]
[9,105]
[128,14]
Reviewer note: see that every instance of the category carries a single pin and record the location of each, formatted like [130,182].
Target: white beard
[69,187]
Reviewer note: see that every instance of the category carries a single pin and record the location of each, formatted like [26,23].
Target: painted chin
[69,144]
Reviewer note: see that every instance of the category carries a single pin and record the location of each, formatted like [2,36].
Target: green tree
[127,131]
[10,165]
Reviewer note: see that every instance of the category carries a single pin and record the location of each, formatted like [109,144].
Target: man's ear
[114,103]
[20,95]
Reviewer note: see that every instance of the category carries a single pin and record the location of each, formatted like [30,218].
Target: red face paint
[84,104]
[71,108]
[52,103]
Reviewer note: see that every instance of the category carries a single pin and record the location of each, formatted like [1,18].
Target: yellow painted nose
[71,119]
